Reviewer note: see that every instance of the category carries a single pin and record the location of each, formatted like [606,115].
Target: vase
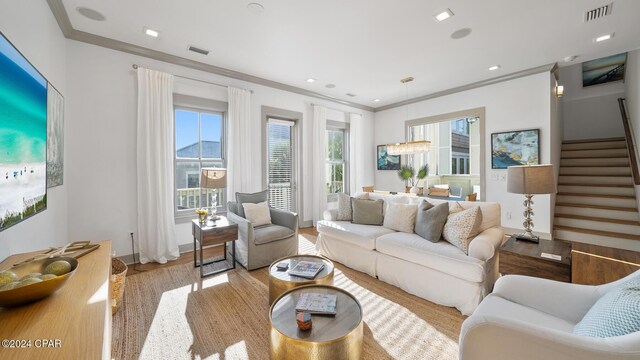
[203,217]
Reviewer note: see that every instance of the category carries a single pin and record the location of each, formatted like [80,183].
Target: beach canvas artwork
[515,148]
[55,137]
[604,70]
[386,161]
[23,137]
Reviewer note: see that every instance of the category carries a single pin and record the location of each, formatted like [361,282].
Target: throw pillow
[400,217]
[461,227]
[257,214]
[430,220]
[344,205]
[253,198]
[616,313]
[367,212]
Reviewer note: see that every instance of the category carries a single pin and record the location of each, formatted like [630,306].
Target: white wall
[522,103]
[30,26]
[102,136]
[589,112]
[632,87]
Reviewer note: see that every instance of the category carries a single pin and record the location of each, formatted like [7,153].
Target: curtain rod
[334,109]
[136,66]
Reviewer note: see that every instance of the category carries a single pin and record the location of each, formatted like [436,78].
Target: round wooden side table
[331,337]
[281,281]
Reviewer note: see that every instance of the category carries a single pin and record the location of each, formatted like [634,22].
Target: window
[199,142]
[336,159]
[281,163]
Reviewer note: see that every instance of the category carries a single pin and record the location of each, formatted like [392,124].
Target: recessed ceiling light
[376,100]
[151,32]
[443,15]
[604,37]
[90,13]
[494,67]
[310,80]
[255,8]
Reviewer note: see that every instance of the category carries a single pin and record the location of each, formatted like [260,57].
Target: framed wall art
[510,148]
[386,161]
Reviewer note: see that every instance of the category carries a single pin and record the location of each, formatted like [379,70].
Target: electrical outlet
[508,214]
[503,177]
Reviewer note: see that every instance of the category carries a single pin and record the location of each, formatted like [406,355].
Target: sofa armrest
[284,218]
[331,215]
[506,337]
[245,228]
[566,301]
[486,244]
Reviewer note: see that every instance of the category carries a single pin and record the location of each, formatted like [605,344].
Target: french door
[281,164]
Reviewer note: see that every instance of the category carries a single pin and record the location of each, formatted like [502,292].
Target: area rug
[171,313]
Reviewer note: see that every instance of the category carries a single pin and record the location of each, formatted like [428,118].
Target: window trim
[346,156]
[199,105]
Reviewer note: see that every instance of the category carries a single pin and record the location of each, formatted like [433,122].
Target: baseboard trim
[128,259]
[306,224]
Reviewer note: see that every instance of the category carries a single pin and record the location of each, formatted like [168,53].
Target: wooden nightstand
[548,259]
[214,233]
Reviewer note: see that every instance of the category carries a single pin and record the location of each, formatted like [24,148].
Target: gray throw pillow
[367,212]
[430,220]
[253,198]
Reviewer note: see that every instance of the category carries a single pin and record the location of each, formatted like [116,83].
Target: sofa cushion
[496,307]
[254,198]
[344,212]
[269,233]
[363,236]
[430,220]
[440,256]
[367,212]
[490,211]
[400,217]
[461,227]
[616,313]
[257,214]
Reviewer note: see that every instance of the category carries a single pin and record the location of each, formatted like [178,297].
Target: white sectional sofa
[439,272]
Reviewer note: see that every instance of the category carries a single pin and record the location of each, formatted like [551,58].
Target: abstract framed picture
[386,161]
[511,148]
[55,137]
[23,137]
[604,70]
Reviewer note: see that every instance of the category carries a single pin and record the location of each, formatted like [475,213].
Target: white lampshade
[213,178]
[531,179]
[409,148]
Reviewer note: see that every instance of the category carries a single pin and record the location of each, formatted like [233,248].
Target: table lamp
[530,180]
[213,178]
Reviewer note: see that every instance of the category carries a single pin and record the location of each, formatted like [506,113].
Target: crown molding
[475,85]
[61,16]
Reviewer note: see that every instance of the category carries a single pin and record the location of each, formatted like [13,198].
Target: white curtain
[319,158]
[240,145]
[355,152]
[156,227]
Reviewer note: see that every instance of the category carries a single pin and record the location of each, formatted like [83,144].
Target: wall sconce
[559,90]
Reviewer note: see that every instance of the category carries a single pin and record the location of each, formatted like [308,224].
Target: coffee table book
[307,269]
[317,304]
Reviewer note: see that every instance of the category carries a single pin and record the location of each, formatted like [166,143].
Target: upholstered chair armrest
[486,244]
[245,228]
[505,337]
[285,218]
[566,301]
[331,215]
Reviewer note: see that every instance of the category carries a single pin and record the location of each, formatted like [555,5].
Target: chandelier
[410,147]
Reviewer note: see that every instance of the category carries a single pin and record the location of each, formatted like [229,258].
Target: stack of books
[307,269]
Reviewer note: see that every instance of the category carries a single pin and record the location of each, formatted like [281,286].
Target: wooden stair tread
[598,219]
[598,232]
[595,166]
[592,157]
[597,185]
[580,141]
[598,195]
[596,149]
[601,207]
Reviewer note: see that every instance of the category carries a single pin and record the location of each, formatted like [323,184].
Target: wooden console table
[75,322]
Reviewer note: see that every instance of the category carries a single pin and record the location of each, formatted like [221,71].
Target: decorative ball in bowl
[35,280]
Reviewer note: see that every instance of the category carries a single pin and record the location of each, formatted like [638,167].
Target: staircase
[596,200]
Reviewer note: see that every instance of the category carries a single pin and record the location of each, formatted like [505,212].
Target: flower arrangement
[202,213]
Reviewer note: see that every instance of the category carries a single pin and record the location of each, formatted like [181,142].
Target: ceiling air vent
[597,13]
[198,50]
[352,95]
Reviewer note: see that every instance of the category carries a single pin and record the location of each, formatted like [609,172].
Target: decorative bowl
[37,291]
